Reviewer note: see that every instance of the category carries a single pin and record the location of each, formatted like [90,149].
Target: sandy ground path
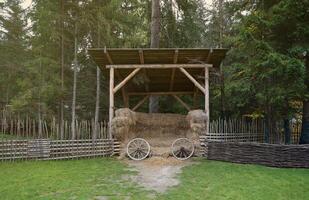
[157,173]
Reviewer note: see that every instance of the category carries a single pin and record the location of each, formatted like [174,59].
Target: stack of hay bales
[159,129]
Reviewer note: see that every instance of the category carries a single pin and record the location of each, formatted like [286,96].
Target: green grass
[219,180]
[87,179]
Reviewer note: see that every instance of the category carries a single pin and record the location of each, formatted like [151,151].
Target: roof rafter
[159,66]
[175,59]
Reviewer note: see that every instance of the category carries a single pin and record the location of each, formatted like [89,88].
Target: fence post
[287,132]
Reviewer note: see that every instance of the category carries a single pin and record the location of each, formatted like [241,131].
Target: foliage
[263,77]
[264,72]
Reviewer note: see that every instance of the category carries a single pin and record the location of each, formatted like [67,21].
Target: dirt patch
[157,173]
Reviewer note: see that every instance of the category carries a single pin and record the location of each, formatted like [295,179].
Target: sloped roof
[157,80]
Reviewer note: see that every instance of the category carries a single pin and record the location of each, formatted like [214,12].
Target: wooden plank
[209,55]
[159,93]
[173,70]
[111,101]
[142,61]
[207,97]
[158,66]
[175,59]
[197,84]
[141,56]
[108,56]
[140,103]
[117,73]
[182,102]
[122,83]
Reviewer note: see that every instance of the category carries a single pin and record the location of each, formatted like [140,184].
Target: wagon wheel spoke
[182,148]
[138,149]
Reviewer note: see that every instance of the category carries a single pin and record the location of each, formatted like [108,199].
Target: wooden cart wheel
[138,149]
[182,148]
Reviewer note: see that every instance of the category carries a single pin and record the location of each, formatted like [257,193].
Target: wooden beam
[209,55]
[207,97]
[160,93]
[182,102]
[197,84]
[142,61]
[140,103]
[117,73]
[111,101]
[159,66]
[175,60]
[122,83]
[141,56]
[108,56]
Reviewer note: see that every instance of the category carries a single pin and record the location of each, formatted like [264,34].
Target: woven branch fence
[45,149]
[31,128]
[274,155]
[24,139]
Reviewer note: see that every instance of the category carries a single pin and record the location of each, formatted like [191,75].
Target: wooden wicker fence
[31,128]
[45,149]
[275,155]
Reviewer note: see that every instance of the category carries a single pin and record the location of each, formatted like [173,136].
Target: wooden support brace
[108,56]
[158,66]
[111,101]
[207,97]
[182,102]
[197,84]
[175,60]
[140,103]
[159,93]
[122,83]
[118,75]
[142,61]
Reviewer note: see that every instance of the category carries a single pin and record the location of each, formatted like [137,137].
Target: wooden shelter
[162,72]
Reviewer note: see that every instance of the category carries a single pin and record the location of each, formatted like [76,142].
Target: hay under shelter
[157,72]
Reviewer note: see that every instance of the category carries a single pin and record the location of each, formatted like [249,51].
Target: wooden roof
[157,80]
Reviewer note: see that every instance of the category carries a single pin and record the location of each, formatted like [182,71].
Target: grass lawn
[89,179]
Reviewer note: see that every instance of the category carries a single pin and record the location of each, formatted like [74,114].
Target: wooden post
[207,97]
[111,101]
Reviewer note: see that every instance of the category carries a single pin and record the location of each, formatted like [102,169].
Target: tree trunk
[97,105]
[222,80]
[39,103]
[97,102]
[155,43]
[74,85]
[61,124]
[304,138]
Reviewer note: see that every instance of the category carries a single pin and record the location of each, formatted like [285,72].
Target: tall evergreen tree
[13,51]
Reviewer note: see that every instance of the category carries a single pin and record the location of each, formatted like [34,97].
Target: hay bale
[155,120]
[197,120]
[126,113]
[159,129]
[197,116]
